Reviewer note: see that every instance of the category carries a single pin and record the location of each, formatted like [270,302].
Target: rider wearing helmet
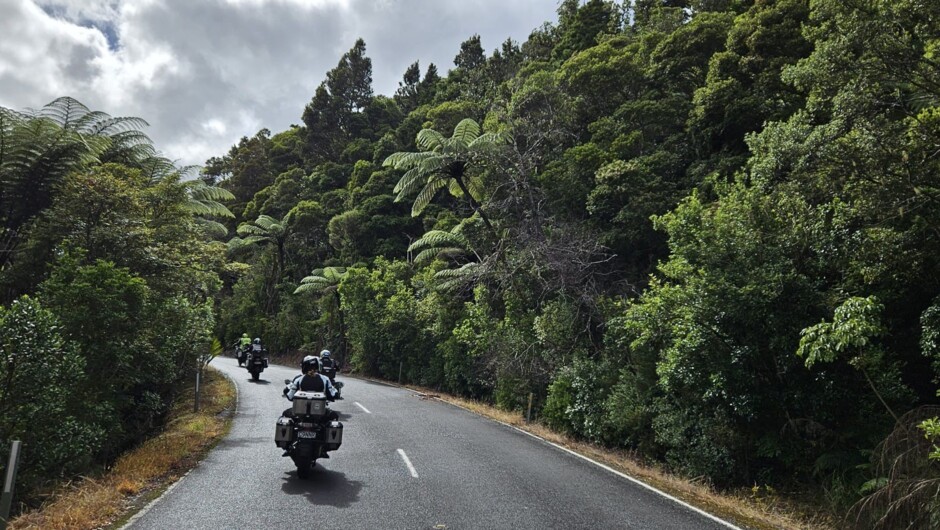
[310,380]
[327,365]
[242,345]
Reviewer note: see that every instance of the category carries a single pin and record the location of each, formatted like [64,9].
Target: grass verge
[760,507]
[100,501]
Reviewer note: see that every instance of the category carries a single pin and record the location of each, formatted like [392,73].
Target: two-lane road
[404,463]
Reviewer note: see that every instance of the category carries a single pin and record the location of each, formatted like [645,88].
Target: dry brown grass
[760,508]
[99,501]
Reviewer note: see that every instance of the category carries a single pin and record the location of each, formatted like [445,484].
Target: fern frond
[466,131]
[427,194]
[246,229]
[409,182]
[211,229]
[428,139]
[437,239]
[63,111]
[429,254]
[454,188]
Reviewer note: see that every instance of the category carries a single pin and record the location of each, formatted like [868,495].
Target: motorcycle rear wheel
[254,375]
[305,468]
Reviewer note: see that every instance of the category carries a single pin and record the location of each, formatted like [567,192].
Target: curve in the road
[460,471]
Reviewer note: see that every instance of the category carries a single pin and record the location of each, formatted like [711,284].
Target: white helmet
[325,354]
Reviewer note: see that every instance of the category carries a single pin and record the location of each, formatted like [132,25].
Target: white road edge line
[600,465]
[628,477]
[408,463]
[363,409]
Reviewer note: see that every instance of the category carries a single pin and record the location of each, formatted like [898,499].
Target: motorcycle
[241,353]
[308,433]
[256,361]
[330,372]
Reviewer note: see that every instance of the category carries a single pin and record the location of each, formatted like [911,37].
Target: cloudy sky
[204,73]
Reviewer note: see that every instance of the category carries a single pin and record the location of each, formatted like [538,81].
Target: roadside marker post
[528,414]
[6,496]
[196,397]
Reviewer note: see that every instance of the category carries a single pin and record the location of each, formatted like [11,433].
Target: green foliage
[703,231]
[853,326]
[42,376]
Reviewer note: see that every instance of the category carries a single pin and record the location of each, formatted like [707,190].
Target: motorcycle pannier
[309,404]
[334,435]
[284,432]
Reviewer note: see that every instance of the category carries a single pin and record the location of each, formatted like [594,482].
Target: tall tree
[331,116]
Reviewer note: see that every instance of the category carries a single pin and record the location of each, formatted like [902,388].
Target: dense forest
[704,231]
[108,275]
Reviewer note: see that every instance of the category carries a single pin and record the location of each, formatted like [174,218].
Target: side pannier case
[334,436]
[284,432]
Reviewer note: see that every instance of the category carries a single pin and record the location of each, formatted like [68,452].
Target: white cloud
[204,73]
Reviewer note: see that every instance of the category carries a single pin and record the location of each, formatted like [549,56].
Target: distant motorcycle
[241,353]
[328,369]
[308,433]
[256,361]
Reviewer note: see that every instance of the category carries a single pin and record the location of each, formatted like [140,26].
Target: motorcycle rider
[310,380]
[326,361]
[241,348]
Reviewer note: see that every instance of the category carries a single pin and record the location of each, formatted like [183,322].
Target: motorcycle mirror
[287,381]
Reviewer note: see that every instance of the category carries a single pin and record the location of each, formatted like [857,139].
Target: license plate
[306,434]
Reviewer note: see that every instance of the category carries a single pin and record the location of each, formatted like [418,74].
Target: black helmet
[257,341]
[309,363]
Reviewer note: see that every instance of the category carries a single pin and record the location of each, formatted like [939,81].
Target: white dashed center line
[408,463]
[363,408]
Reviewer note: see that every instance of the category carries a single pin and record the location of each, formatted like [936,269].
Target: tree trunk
[475,205]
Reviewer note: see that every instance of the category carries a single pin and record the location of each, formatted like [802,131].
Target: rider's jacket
[308,383]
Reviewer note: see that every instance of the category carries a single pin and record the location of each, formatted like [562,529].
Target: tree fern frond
[427,194]
[464,271]
[203,192]
[154,168]
[409,182]
[475,186]
[428,139]
[406,160]
[212,229]
[436,239]
[63,111]
[454,188]
[246,229]
[122,124]
[429,254]
[270,225]
[466,131]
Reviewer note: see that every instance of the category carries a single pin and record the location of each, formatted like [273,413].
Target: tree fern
[443,162]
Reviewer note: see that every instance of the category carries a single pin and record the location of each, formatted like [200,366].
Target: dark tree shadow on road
[324,487]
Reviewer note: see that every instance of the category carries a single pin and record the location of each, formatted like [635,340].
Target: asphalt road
[466,472]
